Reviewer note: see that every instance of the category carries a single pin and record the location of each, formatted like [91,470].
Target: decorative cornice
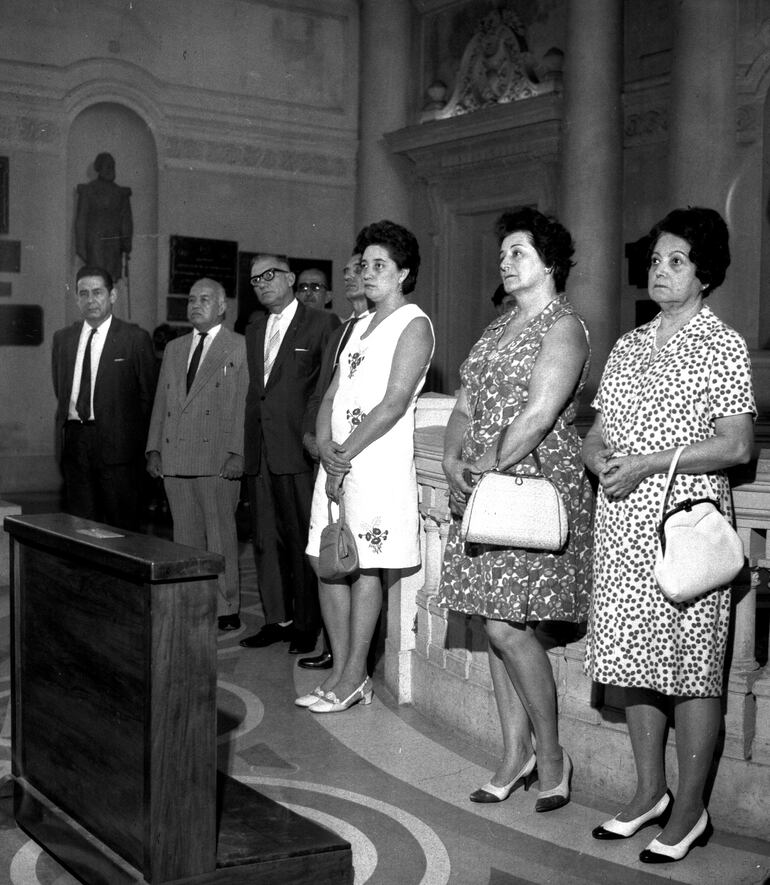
[259,158]
[511,130]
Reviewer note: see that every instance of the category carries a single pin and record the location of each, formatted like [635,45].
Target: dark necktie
[344,339]
[83,403]
[195,361]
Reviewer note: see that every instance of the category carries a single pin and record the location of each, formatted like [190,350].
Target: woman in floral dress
[524,374]
[683,379]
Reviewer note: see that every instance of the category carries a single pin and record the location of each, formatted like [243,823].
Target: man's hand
[311,446]
[233,467]
[154,465]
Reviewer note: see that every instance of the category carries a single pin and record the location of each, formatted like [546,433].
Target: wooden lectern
[113,641]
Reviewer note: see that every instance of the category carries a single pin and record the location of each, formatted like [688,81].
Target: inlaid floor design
[396,787]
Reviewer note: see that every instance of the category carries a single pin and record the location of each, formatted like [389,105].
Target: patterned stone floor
[395,786]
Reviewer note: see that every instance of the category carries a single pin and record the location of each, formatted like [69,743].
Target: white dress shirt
[210,336]
[97,346]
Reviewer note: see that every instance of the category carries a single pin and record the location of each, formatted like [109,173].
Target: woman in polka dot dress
[683,379]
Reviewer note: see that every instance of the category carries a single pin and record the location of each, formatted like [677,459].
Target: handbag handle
[669,483]
[341,505]
[499,452]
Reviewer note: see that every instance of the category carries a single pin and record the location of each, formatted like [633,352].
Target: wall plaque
[194,257]
[10,256]
[21,324]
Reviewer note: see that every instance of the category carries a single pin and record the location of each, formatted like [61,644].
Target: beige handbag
[698,549]
[515,510]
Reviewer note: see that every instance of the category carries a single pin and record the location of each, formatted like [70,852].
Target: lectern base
[259,842]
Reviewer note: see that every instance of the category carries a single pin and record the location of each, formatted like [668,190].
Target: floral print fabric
[651,402]
[505,583]
[381,488]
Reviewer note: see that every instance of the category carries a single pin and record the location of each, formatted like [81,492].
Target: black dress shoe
[302,642]
[268,635]
[229,622]
[324,661]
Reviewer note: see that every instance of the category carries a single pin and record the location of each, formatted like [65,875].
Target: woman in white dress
[365,431]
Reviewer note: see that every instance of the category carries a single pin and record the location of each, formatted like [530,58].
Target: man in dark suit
[284,351]
[354,292]
[104,374]
[196,436]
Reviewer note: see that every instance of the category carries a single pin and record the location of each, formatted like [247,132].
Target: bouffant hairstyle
[552,241]
[706,232]
[400,243]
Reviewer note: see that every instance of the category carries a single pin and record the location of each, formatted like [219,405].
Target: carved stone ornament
[496,66]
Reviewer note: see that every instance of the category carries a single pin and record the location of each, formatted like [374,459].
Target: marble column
[385,81]
[592,169]
[702,156]
[701,124]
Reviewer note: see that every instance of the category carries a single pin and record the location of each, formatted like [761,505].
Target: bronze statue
[104,225]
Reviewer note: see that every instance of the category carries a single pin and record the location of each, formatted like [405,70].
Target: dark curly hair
[706,232]
[91,270]
[400,243]
[552,241]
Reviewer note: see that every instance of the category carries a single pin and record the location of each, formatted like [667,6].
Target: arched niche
[120,131]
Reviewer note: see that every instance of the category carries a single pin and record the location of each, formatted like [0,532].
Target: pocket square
[301,350]
[119,359]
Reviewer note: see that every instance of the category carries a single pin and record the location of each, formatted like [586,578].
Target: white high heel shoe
[490,793]
[550,800]
[307,700]
[659,852]
[330,703]
[623,829]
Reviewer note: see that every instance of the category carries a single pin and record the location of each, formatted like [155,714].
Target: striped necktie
[273,345]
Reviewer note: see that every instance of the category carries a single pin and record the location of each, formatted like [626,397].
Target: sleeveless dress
[649,403]
[506,583]
[381,487]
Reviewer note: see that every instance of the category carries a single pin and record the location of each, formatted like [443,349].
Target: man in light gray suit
[196,436]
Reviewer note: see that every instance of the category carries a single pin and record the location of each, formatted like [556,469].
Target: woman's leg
[335,611]
[530,672]
[514,722]
[365,605]
[646,718]
[697,723]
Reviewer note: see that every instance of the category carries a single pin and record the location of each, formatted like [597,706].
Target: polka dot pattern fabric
[652,401]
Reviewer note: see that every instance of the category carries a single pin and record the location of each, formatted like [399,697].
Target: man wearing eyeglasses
[284,351]
[313,288]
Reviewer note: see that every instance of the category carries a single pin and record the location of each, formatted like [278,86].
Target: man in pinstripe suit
[196,436]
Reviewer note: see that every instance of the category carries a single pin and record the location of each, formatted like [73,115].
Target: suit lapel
[212,362]
[71,341]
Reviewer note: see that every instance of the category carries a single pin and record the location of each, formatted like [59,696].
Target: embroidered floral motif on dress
[375,537]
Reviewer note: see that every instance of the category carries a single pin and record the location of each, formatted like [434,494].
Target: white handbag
[698,549]
[515,510]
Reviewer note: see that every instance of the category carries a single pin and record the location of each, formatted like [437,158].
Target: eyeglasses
[311,287]
[267,275]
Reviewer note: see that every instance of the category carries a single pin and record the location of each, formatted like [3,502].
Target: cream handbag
[515,510]
[698,549]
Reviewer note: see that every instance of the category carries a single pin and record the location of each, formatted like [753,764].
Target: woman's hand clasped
[334,486]
[619,475]
[334,458]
